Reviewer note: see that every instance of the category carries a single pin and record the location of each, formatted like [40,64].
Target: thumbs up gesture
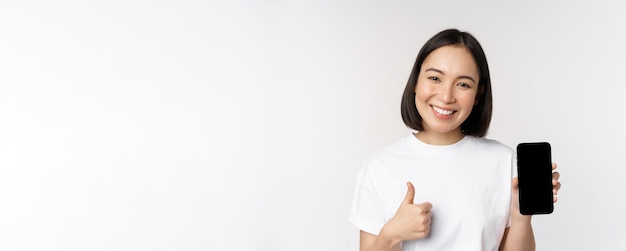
[411,221]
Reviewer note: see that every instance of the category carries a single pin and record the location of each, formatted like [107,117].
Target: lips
[442,111]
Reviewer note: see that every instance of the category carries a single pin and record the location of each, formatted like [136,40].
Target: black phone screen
[534,170]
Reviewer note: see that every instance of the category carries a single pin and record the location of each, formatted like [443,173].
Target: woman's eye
[464,85]
[433,78]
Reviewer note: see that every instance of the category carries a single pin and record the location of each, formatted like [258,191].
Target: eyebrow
[441,72]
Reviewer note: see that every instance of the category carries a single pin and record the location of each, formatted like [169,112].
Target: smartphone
[534,171]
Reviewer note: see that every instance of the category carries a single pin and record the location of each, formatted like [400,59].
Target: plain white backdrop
[241,125]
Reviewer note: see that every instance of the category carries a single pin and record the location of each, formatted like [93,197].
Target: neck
[439,139]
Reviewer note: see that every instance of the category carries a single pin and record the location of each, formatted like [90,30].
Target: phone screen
[534,170]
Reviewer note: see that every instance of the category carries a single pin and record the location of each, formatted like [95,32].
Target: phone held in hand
[534,171]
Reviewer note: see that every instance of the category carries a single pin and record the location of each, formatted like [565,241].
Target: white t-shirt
[468,184]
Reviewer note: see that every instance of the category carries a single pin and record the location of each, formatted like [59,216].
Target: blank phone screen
[534,170]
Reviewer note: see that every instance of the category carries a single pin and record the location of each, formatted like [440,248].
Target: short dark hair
[478,121]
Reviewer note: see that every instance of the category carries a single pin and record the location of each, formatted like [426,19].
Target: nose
[446,93]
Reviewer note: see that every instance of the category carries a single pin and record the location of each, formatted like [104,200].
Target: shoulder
[390,154]
[398,148]
[492,146]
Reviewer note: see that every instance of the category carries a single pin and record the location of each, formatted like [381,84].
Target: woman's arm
[520,235]
[370,242]
[411,222]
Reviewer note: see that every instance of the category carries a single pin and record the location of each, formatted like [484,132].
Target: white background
[241,125]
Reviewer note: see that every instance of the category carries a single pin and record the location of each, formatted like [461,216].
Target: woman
[461,192]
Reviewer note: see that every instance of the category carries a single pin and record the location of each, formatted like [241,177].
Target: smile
[442,111]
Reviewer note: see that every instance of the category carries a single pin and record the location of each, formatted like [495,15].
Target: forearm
[520,236]
[384,244]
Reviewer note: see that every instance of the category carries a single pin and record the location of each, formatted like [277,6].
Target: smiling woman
[451,56]
[446,93]
[460,188]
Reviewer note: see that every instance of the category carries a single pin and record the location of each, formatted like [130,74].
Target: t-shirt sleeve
[514,165]
[367,208]
[513,175]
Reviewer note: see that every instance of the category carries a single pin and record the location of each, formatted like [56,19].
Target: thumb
[515,183]
[410,193]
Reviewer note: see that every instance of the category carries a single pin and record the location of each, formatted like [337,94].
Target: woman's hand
[556,186]
[411,221]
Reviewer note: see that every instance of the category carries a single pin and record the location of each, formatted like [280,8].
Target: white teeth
[442,111]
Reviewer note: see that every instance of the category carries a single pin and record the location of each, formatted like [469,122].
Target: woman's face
[446,91]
